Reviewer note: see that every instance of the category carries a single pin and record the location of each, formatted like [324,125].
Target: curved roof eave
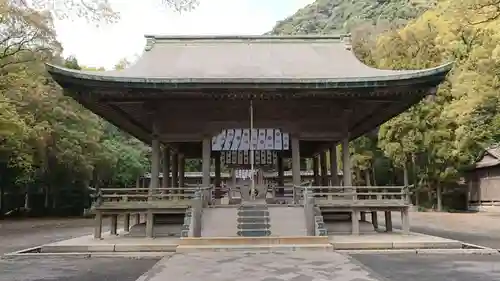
[337,82]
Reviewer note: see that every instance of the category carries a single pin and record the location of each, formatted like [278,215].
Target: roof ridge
[245,37]
[166,39]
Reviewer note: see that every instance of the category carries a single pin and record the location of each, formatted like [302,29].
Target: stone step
[247,219]
[265,240]
[252,213]
[254,226]
[253,207]
[270,248]
[253,232]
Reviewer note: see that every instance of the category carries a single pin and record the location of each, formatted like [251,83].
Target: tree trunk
[438,197]
[27,199]
[2,197]
[47,197]
[405,175]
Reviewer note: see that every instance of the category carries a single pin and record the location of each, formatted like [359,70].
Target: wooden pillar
[281,175]
[205,165]
[375,220]
[355,222]
[149,224]
[315,168]
[388,221]
[126,222]
[98,225]
[405,220]
[138,218]
[346,163]
[295,166]
[182,167]
[233,183]
[324,168]
[166,167]
[333,165]
[217,180]
[175,173]
[155,168]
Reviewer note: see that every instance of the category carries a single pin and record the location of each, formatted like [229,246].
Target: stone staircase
[253,220]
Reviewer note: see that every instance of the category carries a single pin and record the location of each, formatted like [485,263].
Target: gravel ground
[411,267]
[17,235]
[475,228]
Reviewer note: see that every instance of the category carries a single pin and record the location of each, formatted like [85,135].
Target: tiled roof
[489,158]
[250,59]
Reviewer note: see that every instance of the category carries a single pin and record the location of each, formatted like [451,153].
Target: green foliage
[49,144]
[436,139]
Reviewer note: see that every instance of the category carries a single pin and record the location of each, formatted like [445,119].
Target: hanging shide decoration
[247,139]
[236,146]
[239,158]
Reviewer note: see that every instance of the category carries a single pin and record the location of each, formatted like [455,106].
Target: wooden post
[295,165]
[126,222]
[98,225]
[388,221]
[355,222]
[182,167]
[333,165]
[323,168]
[405,220]
[281,175]
[175,174]
[114,224]
[315,168]
[374,220]
[205,165]
[166,169]
[155,168]
[217,180]
[346,162]
[138,218]
[149,224]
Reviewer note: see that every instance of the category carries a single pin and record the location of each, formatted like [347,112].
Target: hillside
[435,141]
[338,16]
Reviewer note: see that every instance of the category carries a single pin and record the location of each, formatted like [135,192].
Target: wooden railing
[141,194]
[355,193]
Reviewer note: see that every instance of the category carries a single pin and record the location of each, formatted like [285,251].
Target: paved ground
[411,267]
[73,269]
[476,228]
[230,266]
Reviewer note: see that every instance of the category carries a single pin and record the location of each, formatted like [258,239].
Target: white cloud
[106,45]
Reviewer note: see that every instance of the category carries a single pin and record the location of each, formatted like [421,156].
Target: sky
[105,45]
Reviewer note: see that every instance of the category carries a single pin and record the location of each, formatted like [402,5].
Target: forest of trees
[436,141]
[52,148]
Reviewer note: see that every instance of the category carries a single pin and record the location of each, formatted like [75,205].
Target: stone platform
[123,244]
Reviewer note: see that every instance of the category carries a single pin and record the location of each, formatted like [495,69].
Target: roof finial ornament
[347,40]
[150,43]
